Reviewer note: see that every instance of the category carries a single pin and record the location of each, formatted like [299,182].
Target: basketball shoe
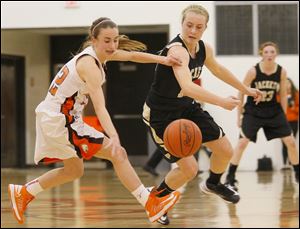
[230,180]
[227,193]
[164,220]
[19,198]
[156,206]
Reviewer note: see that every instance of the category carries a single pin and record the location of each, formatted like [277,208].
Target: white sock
[141,194]
[34,187]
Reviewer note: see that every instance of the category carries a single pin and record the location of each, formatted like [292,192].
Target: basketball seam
[193,139]
[168,141]
[180,138]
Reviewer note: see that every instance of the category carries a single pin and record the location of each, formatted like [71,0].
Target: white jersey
[68,85]
[61,132]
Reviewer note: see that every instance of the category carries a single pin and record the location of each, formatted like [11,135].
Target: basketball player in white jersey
[61,135]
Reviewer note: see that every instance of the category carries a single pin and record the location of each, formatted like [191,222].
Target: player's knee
[291,144]
[243,143]
[227,153]
[119,156]
[192,171]
[74,171]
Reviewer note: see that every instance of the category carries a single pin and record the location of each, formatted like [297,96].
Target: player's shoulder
[208,49]
[178,51]
[252,69]
[174,44]
[84,61]
[207,45]
[283,70]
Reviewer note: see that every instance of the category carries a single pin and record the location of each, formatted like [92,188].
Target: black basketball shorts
[274,127]
[158,121]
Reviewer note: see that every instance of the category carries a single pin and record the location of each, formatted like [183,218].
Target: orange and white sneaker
[19,198]
[158,206]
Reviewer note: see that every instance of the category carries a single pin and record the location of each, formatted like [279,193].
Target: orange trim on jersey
[94,122]
[86,146]
[66,107]
[47,160]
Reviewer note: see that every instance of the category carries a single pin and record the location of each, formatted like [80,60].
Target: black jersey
[269,85]
[165,92]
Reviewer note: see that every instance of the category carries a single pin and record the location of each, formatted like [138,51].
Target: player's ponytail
[130,45]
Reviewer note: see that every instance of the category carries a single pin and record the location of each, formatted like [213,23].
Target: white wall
[35,49]
[55,14]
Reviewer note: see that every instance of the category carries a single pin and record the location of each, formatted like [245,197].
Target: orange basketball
[182,138]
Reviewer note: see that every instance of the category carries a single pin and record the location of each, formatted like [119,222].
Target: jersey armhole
[85,54]
[173,44]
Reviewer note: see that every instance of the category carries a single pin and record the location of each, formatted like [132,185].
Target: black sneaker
[231,181]
[150,170]
[164,220]
[225,192]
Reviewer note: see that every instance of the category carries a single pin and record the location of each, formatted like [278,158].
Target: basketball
[182,138]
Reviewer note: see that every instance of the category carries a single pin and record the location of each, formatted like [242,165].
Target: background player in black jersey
[173,95]
[269,114]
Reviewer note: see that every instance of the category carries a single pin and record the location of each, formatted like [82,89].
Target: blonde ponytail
[130,45]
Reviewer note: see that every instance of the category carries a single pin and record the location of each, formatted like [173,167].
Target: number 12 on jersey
[59,79]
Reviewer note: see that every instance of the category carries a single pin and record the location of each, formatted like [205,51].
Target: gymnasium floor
[98,199]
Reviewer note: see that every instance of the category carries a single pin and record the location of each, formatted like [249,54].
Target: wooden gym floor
[269,199]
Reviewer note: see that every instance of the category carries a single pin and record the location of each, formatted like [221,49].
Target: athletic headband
[105,20]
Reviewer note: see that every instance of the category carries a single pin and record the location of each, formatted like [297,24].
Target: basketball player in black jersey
[173,95]
[269,114]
